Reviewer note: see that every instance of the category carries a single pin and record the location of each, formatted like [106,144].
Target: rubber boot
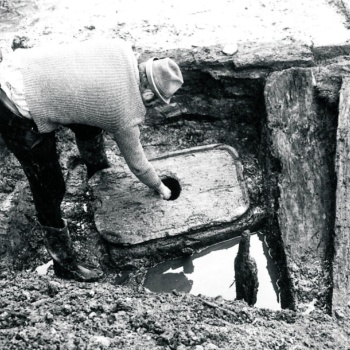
[60,247]
[93,154]
[3,258]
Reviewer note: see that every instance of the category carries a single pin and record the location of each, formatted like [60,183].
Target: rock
[107,308]
[167,336]
[92,315]
[26,294]
[210,346]
[49,317]
[198,347]
[81,317]
[339,314]
[181,347]
[67,308]
[20,42]
[53,288]
[100,340]
[230,49]
[111,319]
[93,305]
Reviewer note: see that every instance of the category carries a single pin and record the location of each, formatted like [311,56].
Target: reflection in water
[211,273]
[246,272]
[159,279]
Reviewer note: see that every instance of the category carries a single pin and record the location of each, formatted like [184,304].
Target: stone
[230,49]
[53,287]
[101,341]
[207,177]
[21,42]
[339,314]
[181,347]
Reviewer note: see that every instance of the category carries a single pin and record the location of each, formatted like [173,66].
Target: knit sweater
[89,83]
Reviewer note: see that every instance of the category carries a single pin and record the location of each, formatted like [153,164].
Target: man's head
[161,79]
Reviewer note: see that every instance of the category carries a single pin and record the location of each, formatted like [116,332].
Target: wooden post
[341,263]
[301,138]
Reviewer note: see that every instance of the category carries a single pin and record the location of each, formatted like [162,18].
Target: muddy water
[211,273]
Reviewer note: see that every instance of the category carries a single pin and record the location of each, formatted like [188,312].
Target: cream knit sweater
[89,83]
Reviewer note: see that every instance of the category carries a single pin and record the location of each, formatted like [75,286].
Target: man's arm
[130,146]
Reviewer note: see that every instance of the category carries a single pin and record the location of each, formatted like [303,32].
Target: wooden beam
[301,137]
[341,263]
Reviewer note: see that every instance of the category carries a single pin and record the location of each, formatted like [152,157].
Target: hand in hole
[164,192]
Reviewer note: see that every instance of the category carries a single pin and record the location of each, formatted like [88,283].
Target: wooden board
[302,138]
[341,263]
[276,54]
[212,193]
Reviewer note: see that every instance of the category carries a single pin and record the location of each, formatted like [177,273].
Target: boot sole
[64,273]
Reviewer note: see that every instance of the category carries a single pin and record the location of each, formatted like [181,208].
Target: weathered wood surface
[213,194]
[322,53]
[329,79]
[186,244]
[302,139]
[274,55]
[341,263]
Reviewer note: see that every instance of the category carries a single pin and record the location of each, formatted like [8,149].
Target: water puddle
[42,269]
[211,273]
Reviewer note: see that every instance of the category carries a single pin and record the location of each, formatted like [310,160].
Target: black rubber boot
[60,247]
[3,258]
[93,154]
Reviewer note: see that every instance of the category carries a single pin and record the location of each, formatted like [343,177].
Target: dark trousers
[38,157]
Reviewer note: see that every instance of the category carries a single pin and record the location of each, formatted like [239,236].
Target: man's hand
[164,192]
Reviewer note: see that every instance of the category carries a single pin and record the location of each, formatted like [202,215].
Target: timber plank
[301,138]
[213,194]
[273,55]
[341,263]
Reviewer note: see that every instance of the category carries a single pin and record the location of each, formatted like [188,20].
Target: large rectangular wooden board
[212,193]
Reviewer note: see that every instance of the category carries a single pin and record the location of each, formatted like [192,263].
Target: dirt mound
[49,313]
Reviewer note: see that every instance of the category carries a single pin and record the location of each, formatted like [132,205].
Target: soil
[49,313]
[45,312]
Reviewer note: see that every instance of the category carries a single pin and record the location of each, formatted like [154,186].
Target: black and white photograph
[174,175]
